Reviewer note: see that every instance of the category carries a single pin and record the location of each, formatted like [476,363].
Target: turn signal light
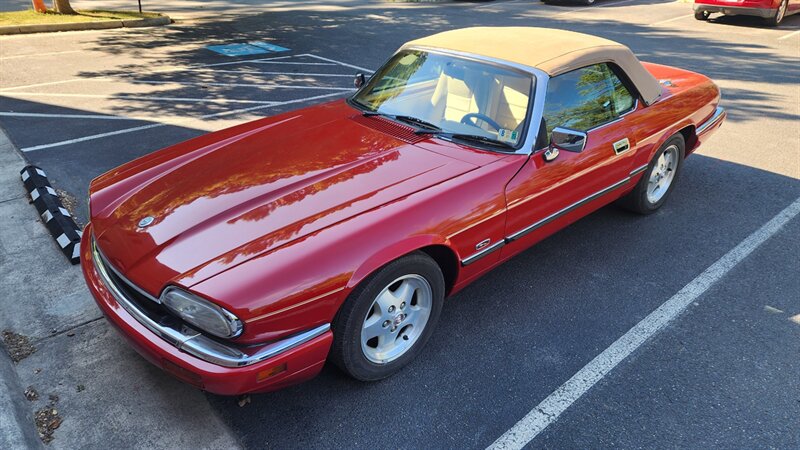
[271,372]
[183,374]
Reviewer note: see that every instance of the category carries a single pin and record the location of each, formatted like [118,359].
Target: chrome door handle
[622,146]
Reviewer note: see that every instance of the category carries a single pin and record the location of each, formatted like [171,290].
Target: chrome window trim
[195,343]
[719,113]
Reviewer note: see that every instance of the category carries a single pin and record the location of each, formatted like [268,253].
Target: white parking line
[245,71]
[562,398]
[275,60]
[172,122]
[182,83]
[68,116]
[32,55]
[254,85]
[289,62]
[795,33]
[163,119]
[49,83]
[139,98]
[671,20]
[337,62]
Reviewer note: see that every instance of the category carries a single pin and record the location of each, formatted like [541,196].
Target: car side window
[585,98]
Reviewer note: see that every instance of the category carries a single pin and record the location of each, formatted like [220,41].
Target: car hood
[254,191]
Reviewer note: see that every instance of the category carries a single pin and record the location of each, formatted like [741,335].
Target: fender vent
[403,132]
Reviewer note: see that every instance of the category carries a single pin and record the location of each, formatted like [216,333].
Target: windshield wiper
[477,138]
[482,139]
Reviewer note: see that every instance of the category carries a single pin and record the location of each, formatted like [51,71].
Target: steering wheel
[467,120]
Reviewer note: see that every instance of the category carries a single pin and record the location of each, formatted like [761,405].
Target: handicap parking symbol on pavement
[250,48]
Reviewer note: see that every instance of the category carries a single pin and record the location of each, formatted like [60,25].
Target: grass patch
[31,17]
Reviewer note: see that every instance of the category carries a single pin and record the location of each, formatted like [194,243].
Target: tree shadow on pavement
[367,35]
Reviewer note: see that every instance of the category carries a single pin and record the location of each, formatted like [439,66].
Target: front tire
[386,321]
[659,179]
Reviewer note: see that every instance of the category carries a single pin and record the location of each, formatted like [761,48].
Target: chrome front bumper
[186,338]
[719,115]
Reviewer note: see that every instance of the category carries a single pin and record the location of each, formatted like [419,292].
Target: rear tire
[702,15]
[780,14]
[387,319]
[658,180]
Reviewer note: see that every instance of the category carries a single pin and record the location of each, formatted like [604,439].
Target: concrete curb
[17,429]
[79,26]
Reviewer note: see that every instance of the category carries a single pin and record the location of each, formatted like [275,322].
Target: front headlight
[201,313]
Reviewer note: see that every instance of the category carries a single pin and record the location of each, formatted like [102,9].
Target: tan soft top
[548,49]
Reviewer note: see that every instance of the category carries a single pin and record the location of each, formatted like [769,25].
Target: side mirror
[359,80]
[569,140]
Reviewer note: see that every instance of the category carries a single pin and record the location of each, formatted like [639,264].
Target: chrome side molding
[557,214]
[540,223]
[638,170]
[485,251]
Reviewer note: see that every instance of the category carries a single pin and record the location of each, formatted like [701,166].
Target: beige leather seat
[506,99]
[512,101]
[452,99]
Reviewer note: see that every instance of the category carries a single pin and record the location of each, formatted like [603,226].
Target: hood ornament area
[146,222]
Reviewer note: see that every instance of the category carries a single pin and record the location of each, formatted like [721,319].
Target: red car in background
[772,11]
[243,260]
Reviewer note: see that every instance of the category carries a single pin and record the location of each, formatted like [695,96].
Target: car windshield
[452,96]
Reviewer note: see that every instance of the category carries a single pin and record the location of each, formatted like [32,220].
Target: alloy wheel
[662,174]
[396,319]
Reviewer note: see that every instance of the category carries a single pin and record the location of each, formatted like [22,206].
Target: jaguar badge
[146,222]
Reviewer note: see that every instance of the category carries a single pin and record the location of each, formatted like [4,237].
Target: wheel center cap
[397,319]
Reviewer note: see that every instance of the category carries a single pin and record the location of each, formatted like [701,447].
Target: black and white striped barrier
[55,217]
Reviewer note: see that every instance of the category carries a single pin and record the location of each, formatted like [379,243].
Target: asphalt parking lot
[723,374]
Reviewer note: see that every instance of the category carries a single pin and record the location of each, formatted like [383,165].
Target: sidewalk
[16,417]
[105,395]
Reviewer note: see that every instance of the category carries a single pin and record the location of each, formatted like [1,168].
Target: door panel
[544,196]
[542,190]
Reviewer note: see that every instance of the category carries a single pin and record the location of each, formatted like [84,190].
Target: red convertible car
[243,260]
[773,11]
